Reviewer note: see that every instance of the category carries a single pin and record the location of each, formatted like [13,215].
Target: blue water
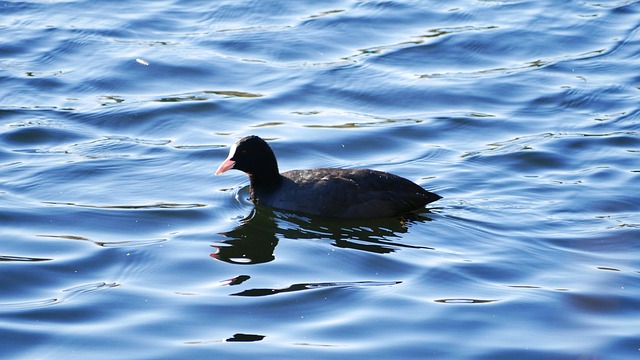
[117,241]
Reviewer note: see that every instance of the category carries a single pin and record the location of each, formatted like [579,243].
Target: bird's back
[346,193]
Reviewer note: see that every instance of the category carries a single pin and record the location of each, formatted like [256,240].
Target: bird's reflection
[255,239]
[252,242]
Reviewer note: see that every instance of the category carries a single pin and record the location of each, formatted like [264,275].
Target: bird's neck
[263,184]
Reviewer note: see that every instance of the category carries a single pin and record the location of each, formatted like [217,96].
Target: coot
[329,192]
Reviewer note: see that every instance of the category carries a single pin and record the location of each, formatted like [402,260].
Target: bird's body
[328,192]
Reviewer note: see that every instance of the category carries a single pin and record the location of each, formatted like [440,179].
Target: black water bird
[328,192]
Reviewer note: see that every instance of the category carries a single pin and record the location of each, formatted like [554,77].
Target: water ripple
[108,244]
[67,295]
[310,286]
[130,207]
[22,258]
[118,239]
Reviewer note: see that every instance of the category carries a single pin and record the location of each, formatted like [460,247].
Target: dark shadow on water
[311,286]
[252,242]
[238,337]
[245,338]
[255,239]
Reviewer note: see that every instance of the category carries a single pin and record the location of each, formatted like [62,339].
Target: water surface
[116,240]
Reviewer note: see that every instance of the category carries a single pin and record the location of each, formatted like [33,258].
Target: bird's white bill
[228,163]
